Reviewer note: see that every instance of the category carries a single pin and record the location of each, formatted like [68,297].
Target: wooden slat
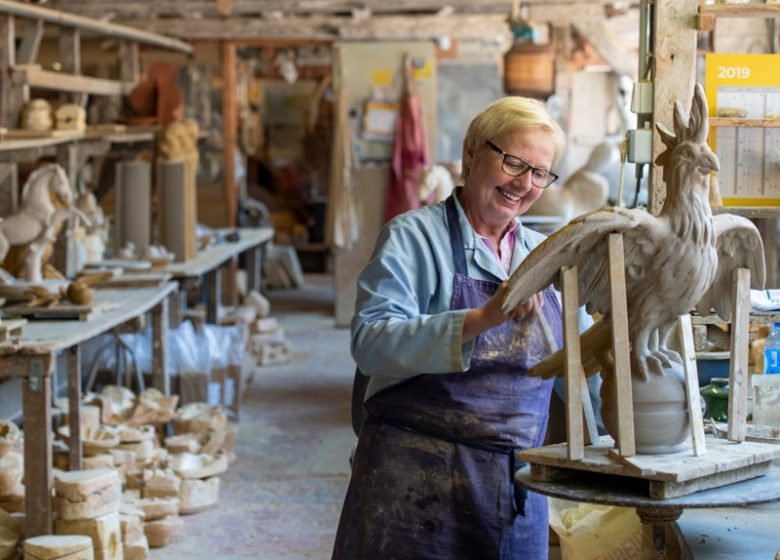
[674,72]
[591,432]
[75,454]
[692,385]
[161,377]
[35,76]
[229,128]
[573,373]
[87,24]
[744,123]
[738,367]
[624,403]
[129,61]
[741,10]
[31,42]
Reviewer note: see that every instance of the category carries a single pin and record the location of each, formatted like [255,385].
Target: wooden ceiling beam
[194,9]
[457,26]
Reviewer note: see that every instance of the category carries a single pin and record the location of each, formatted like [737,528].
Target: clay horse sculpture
[37,220]
[682,258]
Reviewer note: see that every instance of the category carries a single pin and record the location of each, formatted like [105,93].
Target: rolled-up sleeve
[395,332]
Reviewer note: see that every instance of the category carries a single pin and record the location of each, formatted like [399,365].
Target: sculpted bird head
[687,160]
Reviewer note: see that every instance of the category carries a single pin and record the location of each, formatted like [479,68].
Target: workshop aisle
[282,497]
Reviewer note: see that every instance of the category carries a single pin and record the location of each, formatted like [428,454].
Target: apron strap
[456,237]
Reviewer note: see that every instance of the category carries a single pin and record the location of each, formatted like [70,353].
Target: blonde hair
[509,114]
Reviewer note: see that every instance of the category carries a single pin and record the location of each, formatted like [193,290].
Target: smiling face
[490,197]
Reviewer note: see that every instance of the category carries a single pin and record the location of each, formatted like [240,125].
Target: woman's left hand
[528,307]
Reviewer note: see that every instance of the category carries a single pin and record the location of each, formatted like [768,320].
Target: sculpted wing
[739,246]
[582,243]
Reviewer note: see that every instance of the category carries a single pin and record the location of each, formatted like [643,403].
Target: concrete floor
[282,497]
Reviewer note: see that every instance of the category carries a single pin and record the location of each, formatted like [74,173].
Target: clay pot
[661,421]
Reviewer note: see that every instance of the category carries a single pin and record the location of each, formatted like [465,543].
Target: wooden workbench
[210,260]
[32,357]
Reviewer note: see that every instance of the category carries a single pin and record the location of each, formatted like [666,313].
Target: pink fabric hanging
[410,157]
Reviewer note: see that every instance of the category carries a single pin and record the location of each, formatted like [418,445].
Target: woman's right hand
[490,315]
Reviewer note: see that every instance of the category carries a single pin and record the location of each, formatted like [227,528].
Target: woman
[449,400]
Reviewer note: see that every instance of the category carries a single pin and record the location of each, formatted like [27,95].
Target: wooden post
[229,127]
[161,378]
[74,408]
[12,96]
[692,386]
[31,42]
[738,368]
[70,58]
[213,294]
[38,475]
[254,259]
[624,404]
[573,373]
[674,72]
[129,61]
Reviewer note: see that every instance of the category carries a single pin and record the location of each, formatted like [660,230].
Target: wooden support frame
[38,457]
[75,452]
[692,385]
[574,375]
[738,368]
[624,405]
[161,378]
[34,76]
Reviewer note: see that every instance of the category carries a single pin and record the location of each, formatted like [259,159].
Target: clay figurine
[37,221]
[682,258]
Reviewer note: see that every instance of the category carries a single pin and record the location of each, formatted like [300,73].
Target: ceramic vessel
[661,420]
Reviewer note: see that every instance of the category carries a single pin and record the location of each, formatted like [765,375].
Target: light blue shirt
[403,325]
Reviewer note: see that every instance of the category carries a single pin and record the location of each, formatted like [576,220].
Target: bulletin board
[749,155]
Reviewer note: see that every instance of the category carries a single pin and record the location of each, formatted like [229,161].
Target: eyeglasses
[516,166]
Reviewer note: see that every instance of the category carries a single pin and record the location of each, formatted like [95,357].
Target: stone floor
[282,497]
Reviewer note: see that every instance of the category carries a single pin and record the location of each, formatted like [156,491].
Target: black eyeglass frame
[504,155]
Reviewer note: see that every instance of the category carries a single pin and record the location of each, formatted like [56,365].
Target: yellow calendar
[748,147]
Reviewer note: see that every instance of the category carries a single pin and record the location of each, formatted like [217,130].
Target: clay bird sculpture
[682,258]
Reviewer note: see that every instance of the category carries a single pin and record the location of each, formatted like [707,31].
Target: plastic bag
[597,532]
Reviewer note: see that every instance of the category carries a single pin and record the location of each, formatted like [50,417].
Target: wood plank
[31,42]
[744,123]
[740,10]
[456,26]
[210,9]
[721,456]
[573,372]
[254,259]
[38,474]
[35,76]
[95,25]
[739,376]
[229,127]
[624,400]
[591,433]
[129,61]
[61,311]
[692,385]
[213,295]
[674,72]
[75,451]
[161,378]
[666,490]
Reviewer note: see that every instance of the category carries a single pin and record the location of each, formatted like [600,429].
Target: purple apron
[432,475]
